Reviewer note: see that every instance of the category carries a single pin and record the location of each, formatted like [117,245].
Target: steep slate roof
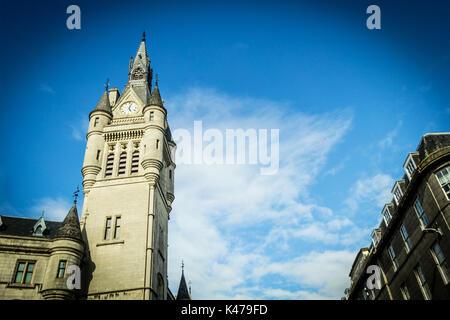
[23,227]
[156,100]
[70,227]
[183,293]
[103,104]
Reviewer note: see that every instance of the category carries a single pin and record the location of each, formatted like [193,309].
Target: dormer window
[444,179]
[410,165]
[375,239]
[397,191]
[386,215]
[138,74]
[39,228]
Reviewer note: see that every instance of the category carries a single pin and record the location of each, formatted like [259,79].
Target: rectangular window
[393,257]
[96,121]
[410,167]
[152,115]
[405,292]
[24,272]
[61,269]
[397,194]
[420,214]
[406,238]
[98,154]
[374,237]
[107,228]
[441,262]
[157,144]
[117,228]
[387,216]
[444,179]
[423,283]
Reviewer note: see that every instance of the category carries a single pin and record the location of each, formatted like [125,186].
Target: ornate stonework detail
[123,135]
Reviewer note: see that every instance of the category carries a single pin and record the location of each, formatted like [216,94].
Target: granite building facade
[411,246]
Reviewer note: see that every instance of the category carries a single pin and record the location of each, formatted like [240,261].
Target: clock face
[129,108]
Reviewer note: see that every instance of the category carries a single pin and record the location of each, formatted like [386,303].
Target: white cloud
[79,128]
[223,214]
[390,136]
[375,190]
[55,209]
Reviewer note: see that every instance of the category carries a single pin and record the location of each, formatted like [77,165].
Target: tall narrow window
[441,262]
[152,115]
[24,272]
[420,214]
[405,292]
[98,154]
[386,216]
[135,162]
[444,179]
[424,287]
[397,194]
[107,228]
[96,120]
[109,165]
[170,174]
[393,257]
[122,163]
[157,144]
[61,269]
[406,238]
[117,228]
[375,238]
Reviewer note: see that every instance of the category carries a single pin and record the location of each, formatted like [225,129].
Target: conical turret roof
[70,227]
[103,104]
[155,99]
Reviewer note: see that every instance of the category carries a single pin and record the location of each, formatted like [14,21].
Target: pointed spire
[70,227]
[103,104]
[155,99]
[183,293]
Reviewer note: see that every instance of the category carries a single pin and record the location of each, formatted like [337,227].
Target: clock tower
[128,183]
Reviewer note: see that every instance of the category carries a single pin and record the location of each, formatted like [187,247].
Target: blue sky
[350,104]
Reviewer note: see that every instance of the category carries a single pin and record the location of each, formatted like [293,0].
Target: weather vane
[75,195]
[143,36]
[107,84]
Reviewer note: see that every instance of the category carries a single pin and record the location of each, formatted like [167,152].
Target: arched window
[138,74]
[135,162]
[122,163]
[109,165]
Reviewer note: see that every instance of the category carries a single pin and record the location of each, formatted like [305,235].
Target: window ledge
[110,242]
[20,285]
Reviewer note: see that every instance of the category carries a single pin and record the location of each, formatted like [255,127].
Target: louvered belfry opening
[135,162]
[122,163]
[109,165]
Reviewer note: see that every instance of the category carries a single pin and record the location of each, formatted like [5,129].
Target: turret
[67,250]
[153,139]
[98,119]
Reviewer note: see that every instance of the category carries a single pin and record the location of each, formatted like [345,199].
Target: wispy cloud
[390,136]
[46,88]
[54,208]
[223,216]
[375,189]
